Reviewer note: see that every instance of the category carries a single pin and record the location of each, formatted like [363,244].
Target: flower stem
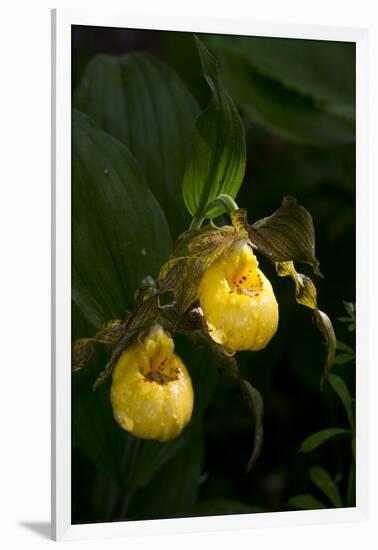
[196,223]
[224,201]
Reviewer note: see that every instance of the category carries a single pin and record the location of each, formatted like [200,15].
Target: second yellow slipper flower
[151,392]
[238,301]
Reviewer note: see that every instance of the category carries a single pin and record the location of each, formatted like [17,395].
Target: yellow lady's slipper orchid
[238,301]
[151,392]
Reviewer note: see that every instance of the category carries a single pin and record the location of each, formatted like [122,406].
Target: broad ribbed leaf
[216,162]
[321,478]
[287,235]
[143,103]
[318,69]
[119,232]
[318,438]
[287,112]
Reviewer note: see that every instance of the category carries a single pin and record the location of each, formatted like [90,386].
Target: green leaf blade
[341,389]
[316,439]
[321,478]
[288,94]
[144,104]
[216,163]
[119,231]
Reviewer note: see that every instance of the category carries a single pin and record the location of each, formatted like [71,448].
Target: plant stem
[196,223]
[224,201]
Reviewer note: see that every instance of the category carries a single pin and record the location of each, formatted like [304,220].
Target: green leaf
[305,502]
[119,232]
[344,347]
[343,358]
[173,490]
[339,386]
[153,455]
[326,484]
[316,439]
[321,70]
[350,309]
[287,235]
[144,104]
[252,398]
[287,112]
[216,163]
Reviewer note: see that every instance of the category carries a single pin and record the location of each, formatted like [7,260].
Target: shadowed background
[297,102]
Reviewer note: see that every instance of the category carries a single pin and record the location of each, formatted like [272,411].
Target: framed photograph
[210,200]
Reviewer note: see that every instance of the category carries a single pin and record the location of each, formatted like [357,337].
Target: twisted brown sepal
[141,320]
[194,252]
[305,294]
[108,334]
[252,398]
[287,235]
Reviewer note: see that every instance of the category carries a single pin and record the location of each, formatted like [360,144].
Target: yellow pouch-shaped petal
[151,392]
[238,301]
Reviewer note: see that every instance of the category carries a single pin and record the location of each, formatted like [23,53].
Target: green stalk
[225,202]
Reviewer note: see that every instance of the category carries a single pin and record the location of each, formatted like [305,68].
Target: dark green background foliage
[136,96]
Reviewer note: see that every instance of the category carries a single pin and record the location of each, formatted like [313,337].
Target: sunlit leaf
[216,163]
[318,438]
[326,484]
[143,103]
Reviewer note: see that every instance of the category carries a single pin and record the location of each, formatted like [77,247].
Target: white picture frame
[62,20]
